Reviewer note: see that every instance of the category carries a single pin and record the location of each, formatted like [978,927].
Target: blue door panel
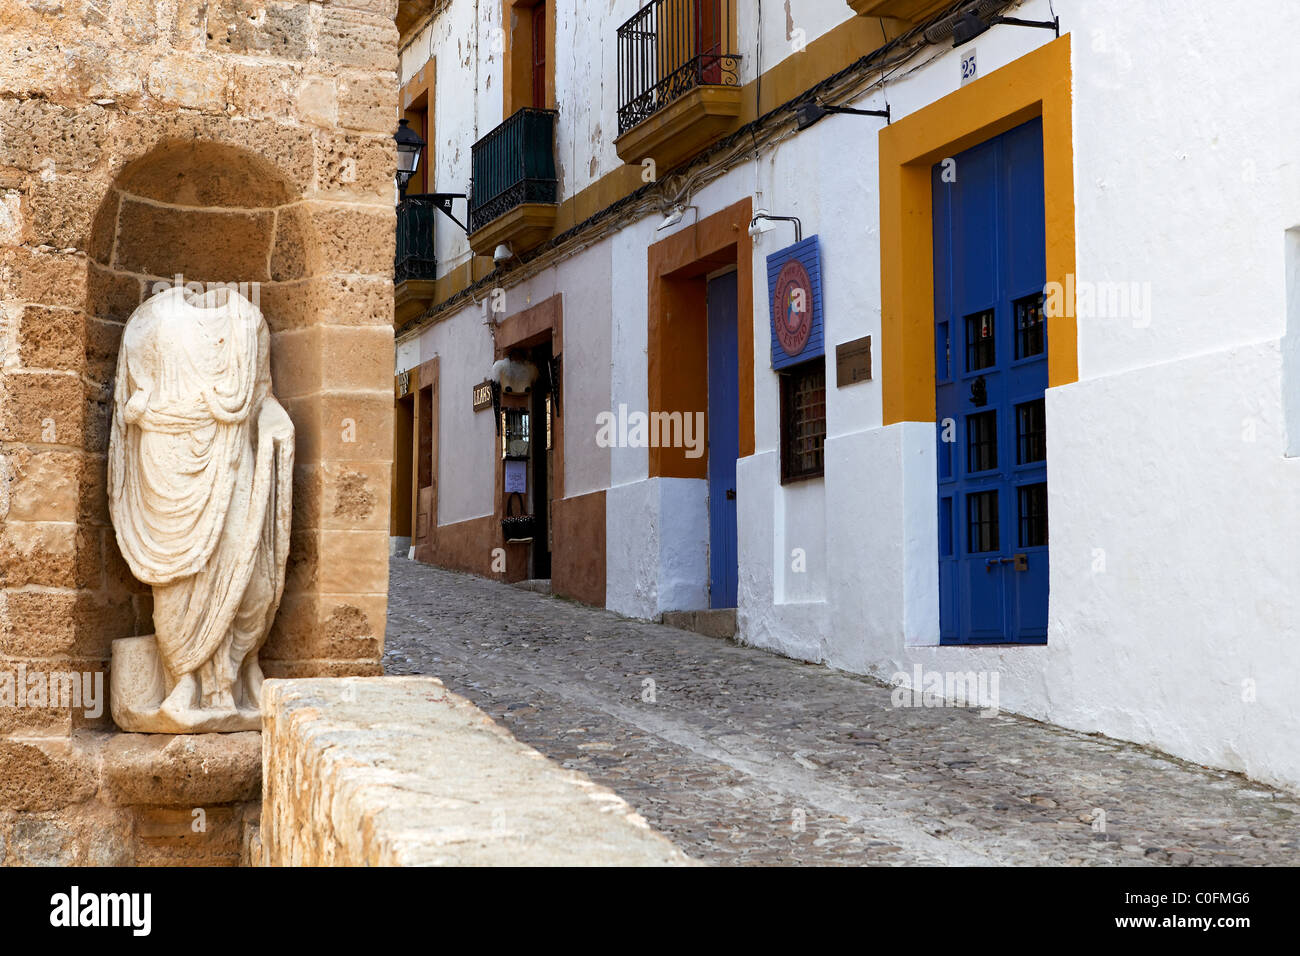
[975,264]
[724,439]
[990,375]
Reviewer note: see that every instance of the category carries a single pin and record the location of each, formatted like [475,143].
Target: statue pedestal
[138,687]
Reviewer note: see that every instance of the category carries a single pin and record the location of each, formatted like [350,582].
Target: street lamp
[409,144]
[969,25]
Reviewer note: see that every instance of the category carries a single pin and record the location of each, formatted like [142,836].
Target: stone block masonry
[400,771]
[228,142]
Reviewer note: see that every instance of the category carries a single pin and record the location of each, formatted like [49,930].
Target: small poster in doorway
[516,477]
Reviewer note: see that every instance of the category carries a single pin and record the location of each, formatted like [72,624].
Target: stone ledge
[400,771]
[109,799]
[194,770]
[719,622]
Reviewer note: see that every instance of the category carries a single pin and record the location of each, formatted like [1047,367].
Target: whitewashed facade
[1174,486]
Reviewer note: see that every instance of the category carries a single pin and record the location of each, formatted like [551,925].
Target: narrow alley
[743,757]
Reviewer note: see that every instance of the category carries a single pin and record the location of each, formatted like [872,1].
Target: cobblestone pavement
[747,757]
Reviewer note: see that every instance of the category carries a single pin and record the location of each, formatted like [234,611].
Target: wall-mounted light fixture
[675,216]
[967,26]
[755,229]
[502,254]
[409,145]
[811,112]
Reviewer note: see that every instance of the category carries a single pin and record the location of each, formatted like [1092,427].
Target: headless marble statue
[200,472]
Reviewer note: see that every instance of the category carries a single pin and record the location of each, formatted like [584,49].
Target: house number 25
[968,71]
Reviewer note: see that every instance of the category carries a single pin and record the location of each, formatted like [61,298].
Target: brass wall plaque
[482,396]
[853,362]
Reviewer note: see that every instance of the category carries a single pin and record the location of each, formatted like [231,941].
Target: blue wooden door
[990,375]
[724,439]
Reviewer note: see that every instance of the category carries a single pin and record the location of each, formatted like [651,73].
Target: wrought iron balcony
[513,166]
[415,258]
[669,48]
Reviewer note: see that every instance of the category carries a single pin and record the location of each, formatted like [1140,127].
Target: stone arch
[207,212]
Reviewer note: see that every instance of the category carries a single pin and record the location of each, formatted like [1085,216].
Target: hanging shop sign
[794,288]
[482,396]
[403,384]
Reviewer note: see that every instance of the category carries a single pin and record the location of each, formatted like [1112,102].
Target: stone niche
[279,177]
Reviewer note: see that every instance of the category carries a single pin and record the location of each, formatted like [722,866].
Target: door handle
[1020,561]
[731,494]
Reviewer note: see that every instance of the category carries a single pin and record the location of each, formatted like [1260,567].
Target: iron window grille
[668,48]
[803,421]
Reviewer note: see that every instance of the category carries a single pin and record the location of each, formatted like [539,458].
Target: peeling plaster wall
[769,31]
[465,41]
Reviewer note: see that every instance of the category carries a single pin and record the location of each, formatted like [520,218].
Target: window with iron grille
[982,441]
[803,420]
[1033,515]
[982,521]
[1031,432]
[981,348]
[1031,326]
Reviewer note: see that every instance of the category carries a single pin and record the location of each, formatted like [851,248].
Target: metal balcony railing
[512,165]
[667,49]
[415,257]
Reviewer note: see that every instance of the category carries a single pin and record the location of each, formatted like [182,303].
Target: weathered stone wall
[226,141]
[399,771]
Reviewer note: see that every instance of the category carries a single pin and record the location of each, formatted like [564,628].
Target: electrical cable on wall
[850,84]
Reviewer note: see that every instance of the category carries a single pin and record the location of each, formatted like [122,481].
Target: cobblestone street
[744,757]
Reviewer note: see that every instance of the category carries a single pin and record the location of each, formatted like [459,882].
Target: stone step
[719,622]
[537,585]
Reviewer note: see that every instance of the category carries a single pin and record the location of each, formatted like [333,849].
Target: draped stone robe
[200,483]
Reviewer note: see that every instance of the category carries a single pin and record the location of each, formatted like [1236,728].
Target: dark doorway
[401,523]
[541,455]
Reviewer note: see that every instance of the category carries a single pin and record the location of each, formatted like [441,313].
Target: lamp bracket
[857,112]
[1053,24]
[798,223]
[443,203]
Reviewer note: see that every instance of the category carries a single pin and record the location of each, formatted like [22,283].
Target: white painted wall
[1175,512]
[657,551]
[467,456]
